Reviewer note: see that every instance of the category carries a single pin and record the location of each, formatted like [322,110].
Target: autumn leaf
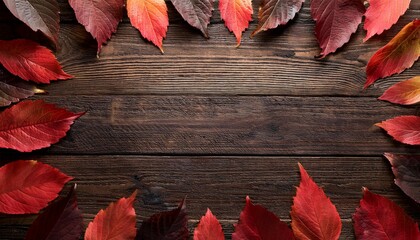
[399,54]
[13,89]
[100,18]
[42,15]
[406,170]
[273,13]
[382,14]
[30,61]
[379,218]
[313,214]
[32,125]
[406,92]
[256,222]
[117,221]
[237,14]
[336,21]
[60,220]
[150,17]
[209,228]
[166,225]
[28,186]
[405,129]
[196,12]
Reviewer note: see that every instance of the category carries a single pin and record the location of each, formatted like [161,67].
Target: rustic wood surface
[218,123]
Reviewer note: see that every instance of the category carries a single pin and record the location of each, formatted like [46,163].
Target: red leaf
[256,222]
[382,14]
[32,125]
[406,92]
[399,54]
[150,17]
[28,186]
[209,228]
[13,89]
[61,220]
[273,13]
[100,18]
[405,129]
[313,214]
[237,14]
[407,173]
[42,15]
[380,218]
[336,21]
[166,225]
[30,61]
[196,12]
[117,221]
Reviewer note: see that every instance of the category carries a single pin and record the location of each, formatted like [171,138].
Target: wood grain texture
[236,125]
[220,183]
[279,62]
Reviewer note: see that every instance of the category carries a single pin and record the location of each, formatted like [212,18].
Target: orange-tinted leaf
[273,13]
[150,17]
[379,218]
[382,14]
[407,173]
[313,214]
[117,221]
[13,89]
[28,186]
[61,220]
[336,21]
[166,225]
[399,54]
[32,125]
[405,129]
[256,222]
[30,61]
[406,92]
[209,228]
[100,18]
[237,14]
[39,15]
[196,12]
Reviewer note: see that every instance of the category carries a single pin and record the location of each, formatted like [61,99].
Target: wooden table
[218,123]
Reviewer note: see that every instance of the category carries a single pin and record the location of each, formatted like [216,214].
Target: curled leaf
[379,218]
[399,54]
[28,186]
[313,214]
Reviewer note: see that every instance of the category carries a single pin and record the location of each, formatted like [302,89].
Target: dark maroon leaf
[61,220]
[407,173]
[13,89]
[171,225]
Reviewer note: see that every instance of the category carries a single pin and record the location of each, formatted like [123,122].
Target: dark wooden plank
[280,62]
[220,183]
[223,125]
